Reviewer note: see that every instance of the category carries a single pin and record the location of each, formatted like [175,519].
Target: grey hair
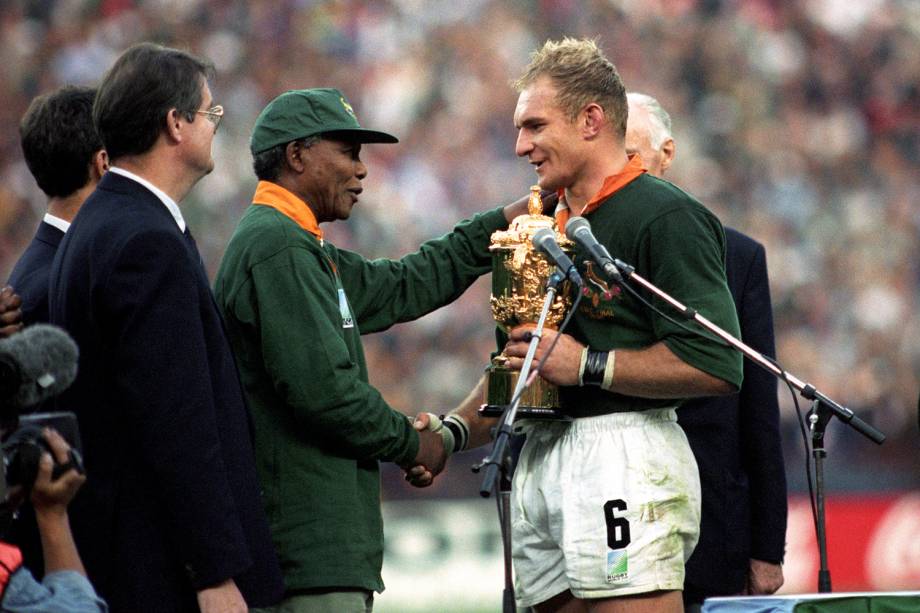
[659,120]
[268,164]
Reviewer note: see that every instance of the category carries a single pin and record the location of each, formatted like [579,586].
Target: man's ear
[98,165]
[294,154]
[592,119]
[668,150]
[174,125]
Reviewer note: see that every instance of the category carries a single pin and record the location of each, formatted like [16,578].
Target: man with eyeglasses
[172,518]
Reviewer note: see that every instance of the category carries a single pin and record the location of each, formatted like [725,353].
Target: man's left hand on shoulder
[10,312]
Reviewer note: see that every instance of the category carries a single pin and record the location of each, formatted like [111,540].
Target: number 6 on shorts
[615,523]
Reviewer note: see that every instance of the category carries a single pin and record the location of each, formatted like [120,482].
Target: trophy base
[540,400]
[491,410]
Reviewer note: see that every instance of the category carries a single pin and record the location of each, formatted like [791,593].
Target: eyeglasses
[214,115]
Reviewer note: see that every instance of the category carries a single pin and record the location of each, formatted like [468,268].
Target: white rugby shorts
[603,506]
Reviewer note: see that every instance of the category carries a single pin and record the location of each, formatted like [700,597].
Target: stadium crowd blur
[798,121]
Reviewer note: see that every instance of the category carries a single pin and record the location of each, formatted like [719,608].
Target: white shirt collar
[164,198]
[57,222]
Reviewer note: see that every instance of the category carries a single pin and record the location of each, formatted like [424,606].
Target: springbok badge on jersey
[347,320]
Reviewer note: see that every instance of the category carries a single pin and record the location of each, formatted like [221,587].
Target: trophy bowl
[519,280]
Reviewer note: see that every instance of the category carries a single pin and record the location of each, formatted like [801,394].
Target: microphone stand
[499,460]
[818,418]
[822,410]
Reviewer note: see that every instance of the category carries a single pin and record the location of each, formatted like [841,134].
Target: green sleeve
[685,253]
[316,366]
[383,292]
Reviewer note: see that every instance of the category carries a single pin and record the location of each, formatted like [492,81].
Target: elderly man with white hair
[735,438]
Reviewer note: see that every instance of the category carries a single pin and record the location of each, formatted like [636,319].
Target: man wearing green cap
[295,307]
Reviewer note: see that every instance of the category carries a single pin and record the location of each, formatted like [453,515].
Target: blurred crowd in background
[797,122]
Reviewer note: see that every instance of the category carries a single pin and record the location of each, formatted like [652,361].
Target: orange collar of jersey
[288,204]
[633,169]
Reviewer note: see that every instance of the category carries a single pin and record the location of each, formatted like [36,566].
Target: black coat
[172,501]
[30,280]
[30,275]
[736,442]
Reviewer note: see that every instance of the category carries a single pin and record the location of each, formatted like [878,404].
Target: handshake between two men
[465,428]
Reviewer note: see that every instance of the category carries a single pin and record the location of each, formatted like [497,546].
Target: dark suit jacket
[30,280]
[30,275]
[172,503]
[736,442]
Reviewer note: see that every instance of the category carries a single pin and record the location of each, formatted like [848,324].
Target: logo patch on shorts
[617,566]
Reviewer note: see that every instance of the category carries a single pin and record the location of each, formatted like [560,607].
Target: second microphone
[544,241]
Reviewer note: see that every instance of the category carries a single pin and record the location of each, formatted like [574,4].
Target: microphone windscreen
[45,358]
[573,225]
[542,238]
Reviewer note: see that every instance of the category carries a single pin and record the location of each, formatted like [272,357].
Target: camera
[35,366]
[23,447]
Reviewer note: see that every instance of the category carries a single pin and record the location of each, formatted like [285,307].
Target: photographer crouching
[65,587]
[40,464]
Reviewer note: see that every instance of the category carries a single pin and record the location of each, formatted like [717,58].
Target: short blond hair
[582,75]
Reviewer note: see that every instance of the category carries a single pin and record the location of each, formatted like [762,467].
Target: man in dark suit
[65,155]
[171,519]
[735,439]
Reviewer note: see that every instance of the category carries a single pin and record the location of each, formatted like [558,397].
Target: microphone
[544,241]
[579,230]
[35,365]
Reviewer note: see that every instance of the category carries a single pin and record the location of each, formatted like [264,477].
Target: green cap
[300,113]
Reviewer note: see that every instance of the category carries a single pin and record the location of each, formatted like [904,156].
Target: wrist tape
[436,425]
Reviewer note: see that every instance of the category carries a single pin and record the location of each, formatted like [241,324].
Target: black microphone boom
[579,230]
[35,365]
[544,241]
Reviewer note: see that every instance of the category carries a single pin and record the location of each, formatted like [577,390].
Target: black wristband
[456,428]
[595,364]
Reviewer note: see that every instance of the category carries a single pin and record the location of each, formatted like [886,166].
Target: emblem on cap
[347,107]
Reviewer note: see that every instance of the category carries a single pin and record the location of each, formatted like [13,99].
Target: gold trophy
[519,286]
